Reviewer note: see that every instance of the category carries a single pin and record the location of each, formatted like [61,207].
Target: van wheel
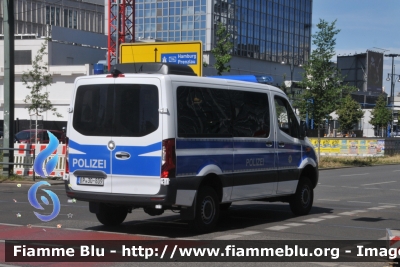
[111,216]
[302,201]
[225,206]
[207,210]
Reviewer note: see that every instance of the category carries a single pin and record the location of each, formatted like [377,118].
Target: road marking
[379,183]
[295,224]
[388,204]
[328,185]
[277,228]
[313,220]
[349,186]
[372,188]
[350,213]
[227,237]
[329,217]
[387,207]
[359,211]
[358,174]
[376,208]
[324,199]
[248,233]
[359,202]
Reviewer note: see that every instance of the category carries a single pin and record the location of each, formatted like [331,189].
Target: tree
[222,50]
[321,77]
[349,113]
[36,80]
[380,115]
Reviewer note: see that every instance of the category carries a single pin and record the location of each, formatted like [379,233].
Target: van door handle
[281,144]
[122,155]
[268,144]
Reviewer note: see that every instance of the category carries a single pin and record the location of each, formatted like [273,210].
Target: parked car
[28,136]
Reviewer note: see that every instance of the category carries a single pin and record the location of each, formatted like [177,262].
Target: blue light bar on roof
[247,78]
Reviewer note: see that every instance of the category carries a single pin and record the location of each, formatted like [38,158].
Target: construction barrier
[393,239]
[21,156]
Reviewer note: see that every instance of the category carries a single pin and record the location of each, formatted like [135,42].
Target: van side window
[251,114]
[203,112]
[287,121]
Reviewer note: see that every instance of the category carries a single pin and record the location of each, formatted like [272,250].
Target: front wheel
[111,216]
[301,202]
[207,210]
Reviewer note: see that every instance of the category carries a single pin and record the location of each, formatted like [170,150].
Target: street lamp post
[392,83]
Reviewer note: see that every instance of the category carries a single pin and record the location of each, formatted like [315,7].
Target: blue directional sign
[180,58]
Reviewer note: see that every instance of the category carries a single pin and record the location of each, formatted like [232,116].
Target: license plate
[90,181]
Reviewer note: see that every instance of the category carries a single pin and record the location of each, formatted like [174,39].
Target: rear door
[90,135]
[137,136]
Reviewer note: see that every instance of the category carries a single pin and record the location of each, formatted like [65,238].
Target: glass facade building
[270,30]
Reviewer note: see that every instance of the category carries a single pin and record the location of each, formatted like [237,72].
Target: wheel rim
[305,196]
[208,210]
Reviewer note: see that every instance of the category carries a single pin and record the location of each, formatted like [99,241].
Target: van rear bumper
[167,196]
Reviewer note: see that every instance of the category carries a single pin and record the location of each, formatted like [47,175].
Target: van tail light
[66,155]
[168,158]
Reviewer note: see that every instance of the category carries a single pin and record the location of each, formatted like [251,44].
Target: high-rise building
[32,16]
[272,31]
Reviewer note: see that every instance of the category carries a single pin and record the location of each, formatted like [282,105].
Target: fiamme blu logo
[44,172]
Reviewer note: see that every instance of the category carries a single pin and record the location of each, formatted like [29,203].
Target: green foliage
[321,77]
[349,113]
[381,115]
[222,50]
[37,79]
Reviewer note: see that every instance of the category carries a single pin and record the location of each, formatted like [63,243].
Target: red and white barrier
[22,156]
[393,240]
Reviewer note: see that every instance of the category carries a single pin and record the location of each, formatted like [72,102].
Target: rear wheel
[207,210]
[110,215]
[301,202]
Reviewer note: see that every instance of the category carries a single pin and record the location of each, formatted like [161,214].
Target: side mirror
[303,129]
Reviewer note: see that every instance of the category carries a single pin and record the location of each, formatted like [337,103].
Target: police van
[157,137]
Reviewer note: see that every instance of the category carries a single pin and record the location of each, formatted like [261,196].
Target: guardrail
[23,163]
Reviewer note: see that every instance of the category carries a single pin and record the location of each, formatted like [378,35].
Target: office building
[264,33]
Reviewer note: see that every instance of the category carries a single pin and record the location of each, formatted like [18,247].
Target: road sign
[185,53]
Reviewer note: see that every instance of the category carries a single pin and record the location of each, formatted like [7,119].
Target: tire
[225,206]
[207,210]
[111,216]
[301,202]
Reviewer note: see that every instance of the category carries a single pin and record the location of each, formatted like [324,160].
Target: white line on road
[354,174]
[359,202]
[277,228]
[313,220]
[327,185]
[372,188]
[328,199]
[349,186]
[388,204]
[380,183]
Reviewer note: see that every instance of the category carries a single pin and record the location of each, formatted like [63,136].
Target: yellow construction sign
[185,53]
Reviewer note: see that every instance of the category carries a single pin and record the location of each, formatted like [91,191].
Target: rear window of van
[116,110]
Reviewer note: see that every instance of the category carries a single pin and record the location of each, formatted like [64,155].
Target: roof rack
[152,67]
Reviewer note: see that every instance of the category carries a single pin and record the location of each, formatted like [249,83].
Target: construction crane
[121,27]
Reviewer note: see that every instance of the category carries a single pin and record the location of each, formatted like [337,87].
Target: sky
[364,25]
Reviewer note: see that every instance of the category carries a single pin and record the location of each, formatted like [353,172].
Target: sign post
[185,53]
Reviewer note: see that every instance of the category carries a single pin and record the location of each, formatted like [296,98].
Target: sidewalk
[29,180]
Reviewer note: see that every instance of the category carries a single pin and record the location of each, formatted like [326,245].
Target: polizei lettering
[90,163]
[255,162]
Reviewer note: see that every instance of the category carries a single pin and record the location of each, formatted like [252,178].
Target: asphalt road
[349,204]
